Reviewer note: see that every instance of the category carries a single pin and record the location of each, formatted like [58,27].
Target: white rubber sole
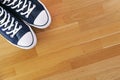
[33,43]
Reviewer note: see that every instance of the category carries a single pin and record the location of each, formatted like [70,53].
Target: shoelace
[16,4]
[11,27]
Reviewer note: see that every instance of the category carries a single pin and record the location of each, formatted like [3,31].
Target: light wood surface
[82,43]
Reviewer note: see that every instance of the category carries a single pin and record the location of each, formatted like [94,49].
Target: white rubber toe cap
[42,19]
[27,41]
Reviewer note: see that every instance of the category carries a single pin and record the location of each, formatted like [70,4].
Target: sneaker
[32,12]
[15,31]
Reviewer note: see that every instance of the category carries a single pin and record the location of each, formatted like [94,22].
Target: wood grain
[82,43]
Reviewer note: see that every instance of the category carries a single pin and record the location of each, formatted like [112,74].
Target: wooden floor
[82,43]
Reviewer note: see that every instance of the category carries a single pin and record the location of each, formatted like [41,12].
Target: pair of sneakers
[16,17]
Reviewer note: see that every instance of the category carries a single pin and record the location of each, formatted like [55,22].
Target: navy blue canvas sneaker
[32,12]
[15,31]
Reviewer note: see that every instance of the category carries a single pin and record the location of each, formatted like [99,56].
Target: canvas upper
[32,12]
[15,31]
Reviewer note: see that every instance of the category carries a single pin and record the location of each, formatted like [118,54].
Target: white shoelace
[24,4]
[12,24]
